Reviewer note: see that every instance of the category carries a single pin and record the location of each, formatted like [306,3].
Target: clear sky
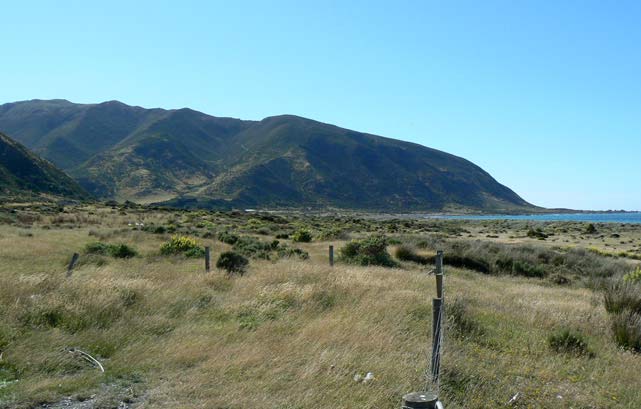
[544,95]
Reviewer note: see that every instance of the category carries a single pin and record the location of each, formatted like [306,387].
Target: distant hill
[187,158]
[24,174]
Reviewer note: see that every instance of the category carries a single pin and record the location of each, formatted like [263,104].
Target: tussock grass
[289,333]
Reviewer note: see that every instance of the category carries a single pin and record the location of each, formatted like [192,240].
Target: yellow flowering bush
[182,245]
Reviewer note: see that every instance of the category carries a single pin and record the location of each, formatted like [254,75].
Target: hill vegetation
[288,331]
[186,158]
[23,174]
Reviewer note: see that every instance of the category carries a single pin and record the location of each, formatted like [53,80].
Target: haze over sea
[612,217]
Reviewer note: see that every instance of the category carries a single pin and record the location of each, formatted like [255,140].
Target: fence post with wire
[429,398]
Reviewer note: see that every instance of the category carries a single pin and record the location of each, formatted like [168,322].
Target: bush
[570,342]
[460,319]
[253,248]
[155,229]
[302,236]
[626,328]
[121,251]
[590,229]
[332,234]
[182,245]
[232,262]
[289,252]
[469,262]
[523,268]
[633,276]
[227,237]
[366,252]
[621,297]
[537,234]
[113,250]
[97,248]
[623,301]
[407,253]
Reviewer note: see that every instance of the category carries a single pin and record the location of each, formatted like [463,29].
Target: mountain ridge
[24,174]
[184,156]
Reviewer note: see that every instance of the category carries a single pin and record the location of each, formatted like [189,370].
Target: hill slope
[193,159]
[23,173]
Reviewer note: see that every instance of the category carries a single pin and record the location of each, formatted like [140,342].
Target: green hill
[24,174]
[187,158]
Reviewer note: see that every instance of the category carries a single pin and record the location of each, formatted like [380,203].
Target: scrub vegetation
[554,320]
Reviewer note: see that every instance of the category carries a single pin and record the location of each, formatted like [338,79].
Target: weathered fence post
[420,400]
[72,264]
[439,274]
[207,259]
[437,323]
[331,256]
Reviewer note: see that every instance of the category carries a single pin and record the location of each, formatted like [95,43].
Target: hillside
[190,159]
[23,173]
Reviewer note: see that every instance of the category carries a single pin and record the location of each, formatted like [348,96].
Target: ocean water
[561,217]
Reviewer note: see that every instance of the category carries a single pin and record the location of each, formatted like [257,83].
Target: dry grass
[288,334]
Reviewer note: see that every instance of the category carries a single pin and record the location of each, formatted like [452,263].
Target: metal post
[72,263]
[207,259]
[331,256]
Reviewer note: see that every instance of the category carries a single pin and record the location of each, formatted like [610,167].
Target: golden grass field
[288,334]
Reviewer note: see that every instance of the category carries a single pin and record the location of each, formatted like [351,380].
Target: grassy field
[293,332]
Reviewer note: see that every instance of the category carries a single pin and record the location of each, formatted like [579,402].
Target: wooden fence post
[437,324]
[429,400]
[439,274]
[331,256]
[420,400]
[207,259]
[72,263]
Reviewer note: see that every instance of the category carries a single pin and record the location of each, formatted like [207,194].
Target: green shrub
[633,276]
[182,245]
[469,262]
[621,296]
[155,229]
[302,236]
[537,234]
[623,301]
[113,250]
[227,237]
[570,342]
[366,252]
[97,248]
[590,229]
[407,253]
[520,267]
[253,248]
[461,321]
[523,268]
[121,251]
[289,252]
[560,279]
[332,233]
[626,328]
[232,262]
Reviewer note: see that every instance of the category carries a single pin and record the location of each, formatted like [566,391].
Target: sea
[610,217]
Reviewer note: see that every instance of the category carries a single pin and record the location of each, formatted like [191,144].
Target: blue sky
[544,95]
